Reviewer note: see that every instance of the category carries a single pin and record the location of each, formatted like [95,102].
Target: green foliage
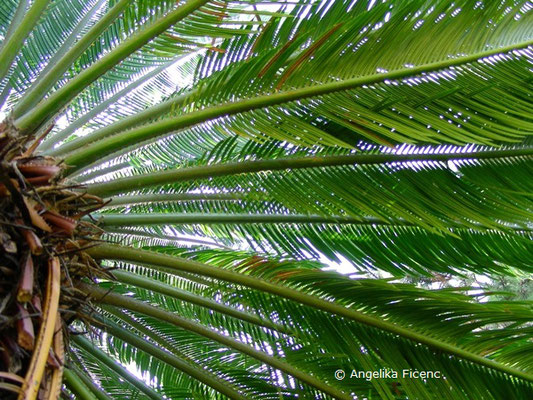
[220,287]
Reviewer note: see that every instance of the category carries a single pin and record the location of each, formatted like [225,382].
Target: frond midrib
[115,252]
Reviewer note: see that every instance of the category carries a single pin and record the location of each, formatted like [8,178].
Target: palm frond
[198,171]
[403,309]
[356,110]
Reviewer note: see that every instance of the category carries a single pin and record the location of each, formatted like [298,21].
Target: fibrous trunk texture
[41,261]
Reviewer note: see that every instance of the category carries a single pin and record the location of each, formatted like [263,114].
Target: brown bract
[42,239]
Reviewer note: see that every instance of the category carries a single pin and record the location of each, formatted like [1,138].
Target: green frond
[401,303]
[424,82]
[228,157]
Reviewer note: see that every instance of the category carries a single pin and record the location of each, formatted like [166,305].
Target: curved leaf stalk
[193,218]
[170,197]
[32,381]
[17,19]
[22,28]
[9,387]
[53,387]
[124,185]
[124,124]
[99,393]
[102,357]
[93,152]
[167,290]
[66,55]
[47,144]
[101,295]
[97,172]
[114,252]
[77,386]
[50,106]
[132,232]
[197,373]
[160,340]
